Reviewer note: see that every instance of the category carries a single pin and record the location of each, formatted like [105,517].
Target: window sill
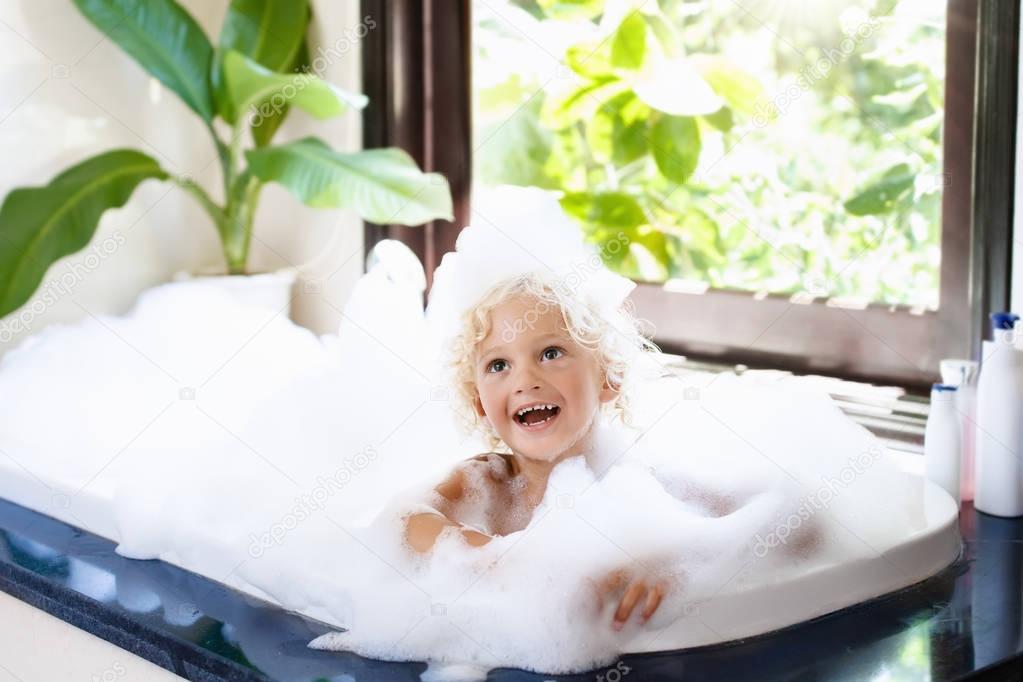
[891,413]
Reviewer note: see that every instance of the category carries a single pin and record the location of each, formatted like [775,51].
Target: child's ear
[607,391]
[477,405]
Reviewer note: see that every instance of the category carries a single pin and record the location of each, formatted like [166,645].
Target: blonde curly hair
[614,334]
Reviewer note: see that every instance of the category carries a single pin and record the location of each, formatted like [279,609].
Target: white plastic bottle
[999,444]
[963,375]
[943,440]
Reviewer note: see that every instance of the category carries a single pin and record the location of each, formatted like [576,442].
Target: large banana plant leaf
[248,85]
[383,185]
[165,40]
[272,34]
[263,133]
[39,225]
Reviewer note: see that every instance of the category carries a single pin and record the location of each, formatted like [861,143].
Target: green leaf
[656,244]
[741,91]
[617,131]
[612,244]
[164,39]
[881,197]
[722,119]
[515,151]
[567,163]
[39,225]
[263,134]
[590,60]
[570,10]
[382,185]
[565,109]
[262,92]
[631,140]
[604,209]
[676,146]
[600,131]
[269,32]
[628,46]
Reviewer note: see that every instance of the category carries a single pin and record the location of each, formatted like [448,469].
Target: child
[534,365]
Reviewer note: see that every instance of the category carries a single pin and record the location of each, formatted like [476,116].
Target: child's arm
[422,529]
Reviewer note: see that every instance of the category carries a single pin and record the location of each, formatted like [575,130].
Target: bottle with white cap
[943,440]
[999,445]
[963,375]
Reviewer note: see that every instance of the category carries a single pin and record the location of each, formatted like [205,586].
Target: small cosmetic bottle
[999,465]
[943,440]
[963,375]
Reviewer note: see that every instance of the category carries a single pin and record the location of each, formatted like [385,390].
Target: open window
[795,181]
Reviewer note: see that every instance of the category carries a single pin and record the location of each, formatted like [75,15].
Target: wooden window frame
[417,74]
[416,71]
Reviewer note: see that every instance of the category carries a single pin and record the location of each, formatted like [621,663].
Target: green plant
[259,70]
[774,150]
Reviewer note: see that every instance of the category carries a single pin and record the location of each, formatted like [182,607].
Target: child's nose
[527,381]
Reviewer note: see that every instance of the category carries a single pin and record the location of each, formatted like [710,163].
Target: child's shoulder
[473,471]
[497,464]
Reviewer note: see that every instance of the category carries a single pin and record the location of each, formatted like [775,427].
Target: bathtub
[732,614]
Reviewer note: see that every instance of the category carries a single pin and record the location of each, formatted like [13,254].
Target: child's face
[528,358]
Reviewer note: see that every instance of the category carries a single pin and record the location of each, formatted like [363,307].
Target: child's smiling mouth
[536,416]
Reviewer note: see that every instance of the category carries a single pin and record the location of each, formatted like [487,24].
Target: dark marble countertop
[966,622]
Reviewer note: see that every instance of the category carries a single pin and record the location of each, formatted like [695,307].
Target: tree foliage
[740,149]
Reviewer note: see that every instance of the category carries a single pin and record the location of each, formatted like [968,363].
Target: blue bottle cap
[944,387]
[1003,320]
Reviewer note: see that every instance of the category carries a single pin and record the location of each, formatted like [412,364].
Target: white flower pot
[270,290]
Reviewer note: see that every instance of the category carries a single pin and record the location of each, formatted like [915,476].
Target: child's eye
[496,365]
[552,353]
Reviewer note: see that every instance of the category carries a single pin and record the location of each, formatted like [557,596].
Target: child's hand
[635,589]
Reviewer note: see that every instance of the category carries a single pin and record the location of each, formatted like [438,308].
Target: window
[795,177]
[794,152]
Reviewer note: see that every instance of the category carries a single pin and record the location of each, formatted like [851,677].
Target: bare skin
[635,589]
[512,497]
[493,495]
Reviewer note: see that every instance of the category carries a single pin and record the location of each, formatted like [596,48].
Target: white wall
[67,93]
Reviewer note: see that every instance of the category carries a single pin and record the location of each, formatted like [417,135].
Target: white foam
[225,439]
